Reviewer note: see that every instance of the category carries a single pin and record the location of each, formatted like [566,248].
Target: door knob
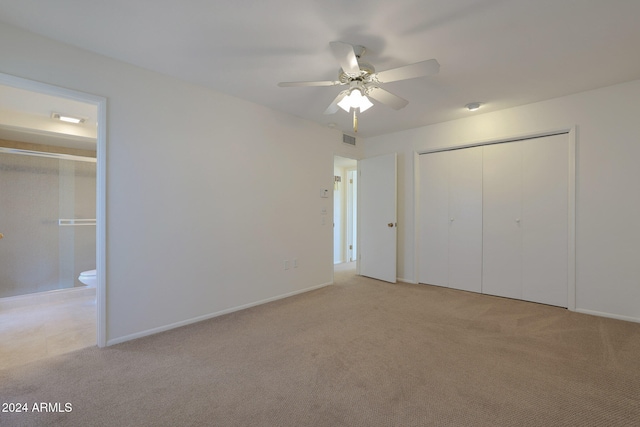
[1,235]
[390,224]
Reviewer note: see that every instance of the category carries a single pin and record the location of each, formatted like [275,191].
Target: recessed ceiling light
[67,118]
[473,106]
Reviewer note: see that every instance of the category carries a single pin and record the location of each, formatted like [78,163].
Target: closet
[494,219]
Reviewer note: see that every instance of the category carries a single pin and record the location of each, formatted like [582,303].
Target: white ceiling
[502,53]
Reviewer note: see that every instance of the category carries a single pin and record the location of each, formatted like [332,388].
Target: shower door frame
[101,163]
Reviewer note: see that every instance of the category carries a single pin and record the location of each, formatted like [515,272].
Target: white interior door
[525,228]
[545,220]
[434,219]
[495,219]
[378,222]
[502,212]
[451,219]
[465,219]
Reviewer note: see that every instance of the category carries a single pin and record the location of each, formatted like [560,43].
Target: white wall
[207,195]
[607,121]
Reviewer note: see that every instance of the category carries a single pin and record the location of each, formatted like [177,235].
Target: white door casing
[352,214]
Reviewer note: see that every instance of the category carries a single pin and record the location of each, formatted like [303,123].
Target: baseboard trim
[609,315]
[153,331]
[400,279]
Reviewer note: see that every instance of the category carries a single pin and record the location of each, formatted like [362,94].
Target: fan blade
[386,97]
[333,108]
[303,84]
[346,57]
[419,69]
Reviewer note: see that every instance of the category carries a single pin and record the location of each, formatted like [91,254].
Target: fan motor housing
[366,70]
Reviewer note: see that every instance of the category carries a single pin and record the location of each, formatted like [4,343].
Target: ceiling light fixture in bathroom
[67,118]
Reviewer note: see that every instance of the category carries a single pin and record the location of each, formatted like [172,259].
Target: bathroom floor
[41,325]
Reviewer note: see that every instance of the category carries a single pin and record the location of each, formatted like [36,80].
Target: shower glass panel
[42,201]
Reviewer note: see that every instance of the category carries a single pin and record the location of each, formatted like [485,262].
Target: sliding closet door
[545,223]
[434,219]
[465,219]
[502,212]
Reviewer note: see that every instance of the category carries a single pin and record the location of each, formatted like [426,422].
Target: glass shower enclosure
[47,221]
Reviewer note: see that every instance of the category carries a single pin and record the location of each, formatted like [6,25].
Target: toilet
[88,278]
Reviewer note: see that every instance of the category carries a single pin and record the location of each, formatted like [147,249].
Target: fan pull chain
[355,120]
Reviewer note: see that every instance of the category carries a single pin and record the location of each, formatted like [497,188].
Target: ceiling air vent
[347,139]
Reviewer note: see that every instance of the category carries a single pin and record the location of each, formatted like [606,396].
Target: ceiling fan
[364,81]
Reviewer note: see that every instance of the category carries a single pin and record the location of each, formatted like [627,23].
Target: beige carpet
[358,353]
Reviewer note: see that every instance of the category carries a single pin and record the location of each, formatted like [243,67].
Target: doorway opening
[52,223]
[345,210]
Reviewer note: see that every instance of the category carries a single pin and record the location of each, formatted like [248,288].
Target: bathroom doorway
[51,220]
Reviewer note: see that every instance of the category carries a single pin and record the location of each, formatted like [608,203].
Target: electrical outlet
[295,263]
[286,264]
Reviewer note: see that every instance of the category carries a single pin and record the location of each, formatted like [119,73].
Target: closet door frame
[571,195]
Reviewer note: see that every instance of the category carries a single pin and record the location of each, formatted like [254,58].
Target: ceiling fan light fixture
[363,80]
[345,104]
[473,106]
[355,99]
